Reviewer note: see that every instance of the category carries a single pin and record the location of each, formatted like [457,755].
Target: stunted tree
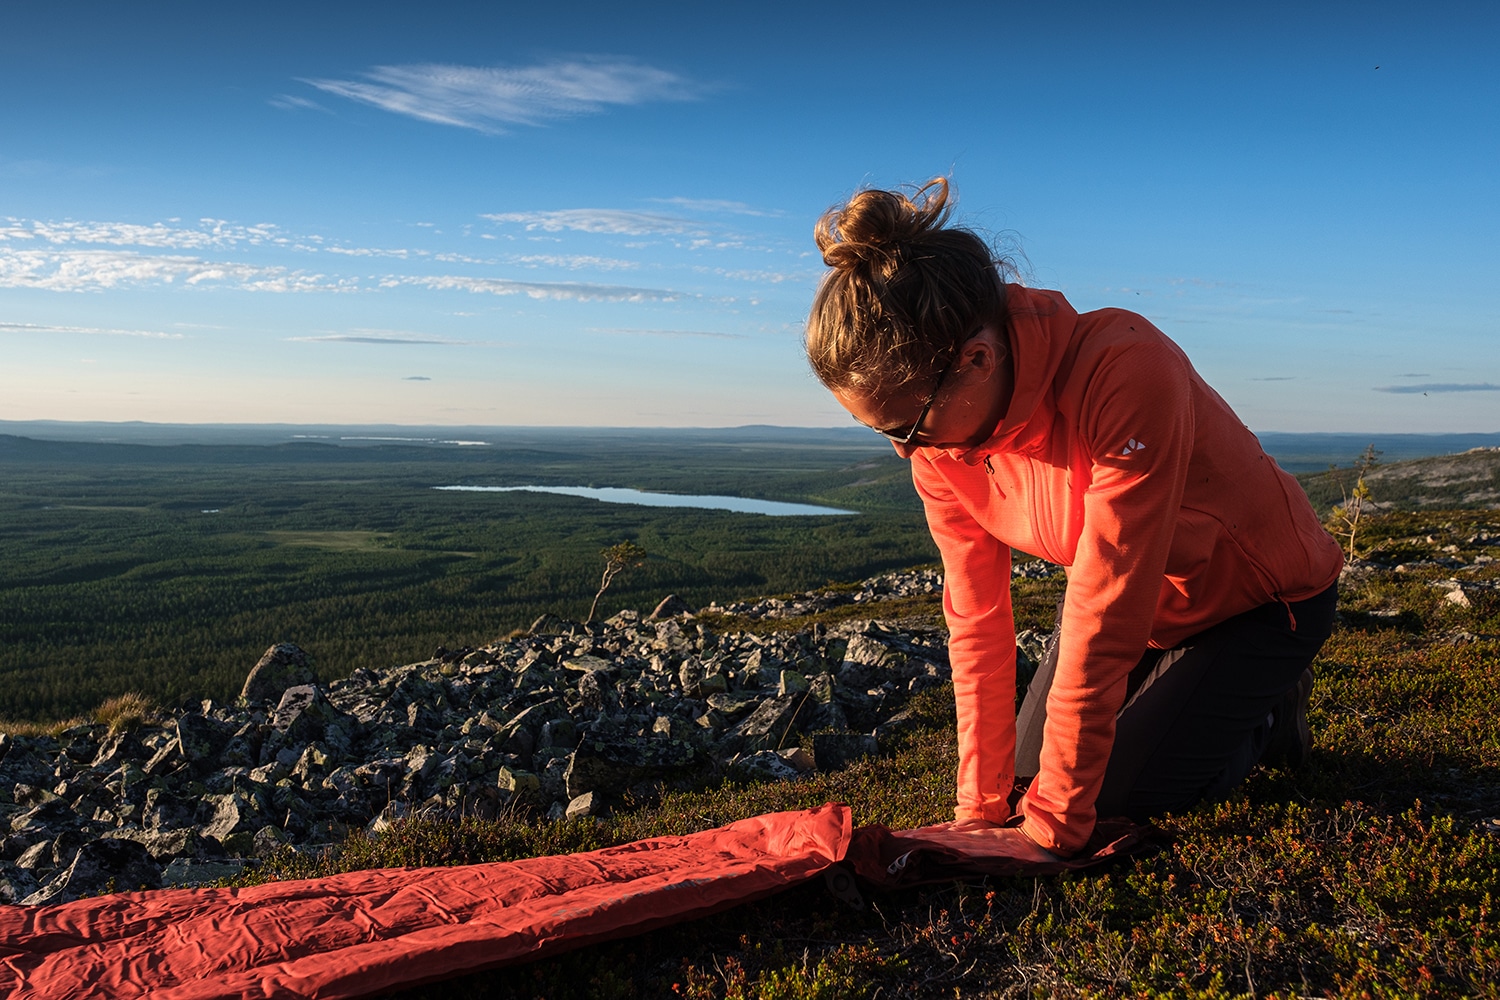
[617,558]
[1344,519]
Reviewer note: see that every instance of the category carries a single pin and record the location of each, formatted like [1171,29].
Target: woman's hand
[980,836]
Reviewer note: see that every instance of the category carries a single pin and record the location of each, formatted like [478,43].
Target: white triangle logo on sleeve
[1134,445]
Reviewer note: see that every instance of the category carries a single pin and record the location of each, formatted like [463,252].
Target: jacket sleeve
[1139,430]
[981,647]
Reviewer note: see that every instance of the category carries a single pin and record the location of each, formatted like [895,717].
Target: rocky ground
[569,719]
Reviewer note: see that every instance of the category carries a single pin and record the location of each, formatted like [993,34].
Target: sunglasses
[906,435]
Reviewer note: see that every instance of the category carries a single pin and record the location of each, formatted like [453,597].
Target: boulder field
[570,719]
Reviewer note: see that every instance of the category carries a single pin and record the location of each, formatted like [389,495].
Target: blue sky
[575,214]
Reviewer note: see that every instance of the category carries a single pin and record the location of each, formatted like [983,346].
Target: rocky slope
[567,720]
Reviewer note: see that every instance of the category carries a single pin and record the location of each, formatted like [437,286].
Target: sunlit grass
[337,541]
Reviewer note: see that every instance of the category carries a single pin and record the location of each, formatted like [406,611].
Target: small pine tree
[1344,519]
[616,559]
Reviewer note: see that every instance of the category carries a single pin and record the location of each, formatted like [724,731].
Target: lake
[616,494]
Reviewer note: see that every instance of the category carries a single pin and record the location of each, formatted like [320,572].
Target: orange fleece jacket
[1116,460]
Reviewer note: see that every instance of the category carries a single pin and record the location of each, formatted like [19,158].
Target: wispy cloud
[95,270]
[47,328]
[557,290]
[382,337]
[614,221]
[488,98]
[634,332]
[291,102]
[572,261]
[416,378]
[761,276]
[1428,387]
[716,205]
[159,236]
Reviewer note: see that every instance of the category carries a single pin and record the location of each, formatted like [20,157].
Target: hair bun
[876,228]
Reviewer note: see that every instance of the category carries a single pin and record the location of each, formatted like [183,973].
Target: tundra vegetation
[1371,871]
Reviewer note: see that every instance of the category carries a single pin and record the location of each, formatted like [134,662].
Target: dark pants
[1194,722]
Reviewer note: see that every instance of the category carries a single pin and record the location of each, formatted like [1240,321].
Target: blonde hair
[904,293]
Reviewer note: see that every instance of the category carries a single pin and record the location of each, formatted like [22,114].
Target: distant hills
[1316,452]
[1469,480]
[1310,452]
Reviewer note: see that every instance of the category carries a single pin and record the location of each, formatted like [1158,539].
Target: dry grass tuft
[125,712]
[38,728]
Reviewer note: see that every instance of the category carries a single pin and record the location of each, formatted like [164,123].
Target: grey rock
[283,666]
[764,765]
[558,733]
[37,857]
[163,810]
[305,715]
[119,750]
[671,606]
[587,804]
[791,682]
[15,883]
[166,760]
[267,841]
[243,748]
[101,866]
[165,845]
[771,723]
[393,813]
[550,624]
[606,764]
[47,815]
[233,820]
[190,873]
[553,778]
[202,739]
[732,706]
[588,664]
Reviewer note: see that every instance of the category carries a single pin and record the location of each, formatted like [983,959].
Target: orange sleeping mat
[369,932]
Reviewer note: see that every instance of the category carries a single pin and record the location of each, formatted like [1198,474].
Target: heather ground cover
[1371,871]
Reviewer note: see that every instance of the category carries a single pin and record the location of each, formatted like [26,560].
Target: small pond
[616,494]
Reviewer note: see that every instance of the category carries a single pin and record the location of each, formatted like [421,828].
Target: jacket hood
[1041,333]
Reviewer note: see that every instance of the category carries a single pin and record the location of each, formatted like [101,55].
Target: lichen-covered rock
[232,820]
[764,765]
[201,740]
[305,715]
[283,666]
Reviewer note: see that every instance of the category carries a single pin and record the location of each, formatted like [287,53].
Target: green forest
[169,570]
